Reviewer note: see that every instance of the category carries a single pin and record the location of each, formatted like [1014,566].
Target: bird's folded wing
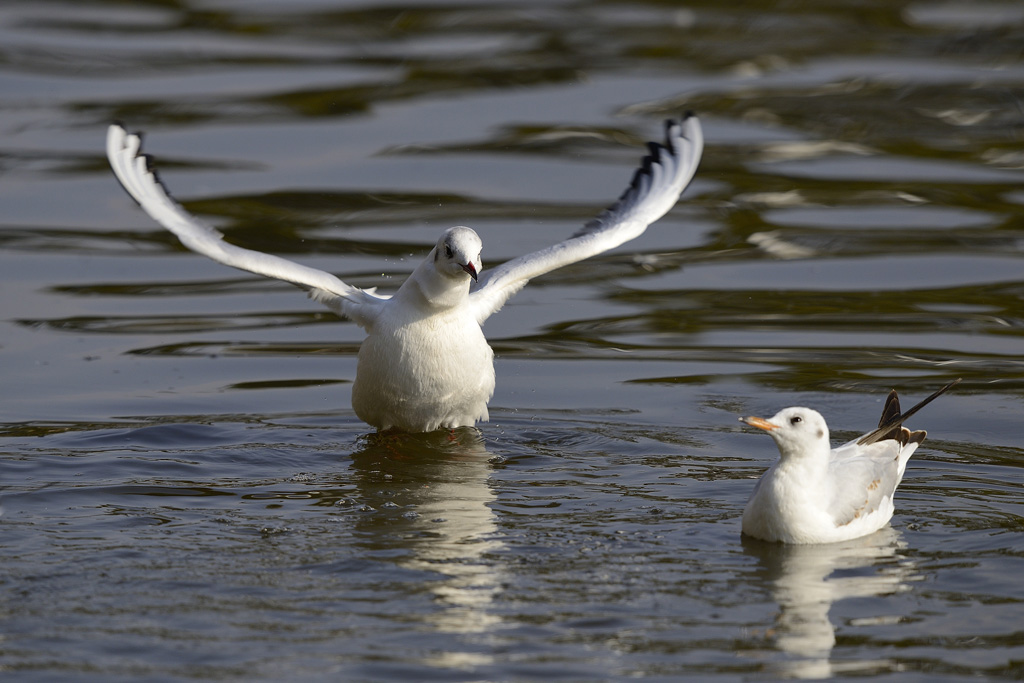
[863,476]
[133,171]
[655,189]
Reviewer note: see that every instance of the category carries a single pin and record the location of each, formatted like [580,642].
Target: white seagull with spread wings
[425,363]
[819,494]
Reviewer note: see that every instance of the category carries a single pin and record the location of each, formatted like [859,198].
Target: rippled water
[188,495]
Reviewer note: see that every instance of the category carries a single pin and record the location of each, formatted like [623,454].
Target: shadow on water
[807,580]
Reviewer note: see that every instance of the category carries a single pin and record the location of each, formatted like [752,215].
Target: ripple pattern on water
[185,492]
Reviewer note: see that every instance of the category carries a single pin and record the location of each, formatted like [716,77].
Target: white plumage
[817,494]
[425,362]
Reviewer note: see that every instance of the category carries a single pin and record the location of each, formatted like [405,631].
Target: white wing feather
[655,189]
[132,170]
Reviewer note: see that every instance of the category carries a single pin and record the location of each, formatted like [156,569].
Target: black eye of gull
[796,419]
[447,251]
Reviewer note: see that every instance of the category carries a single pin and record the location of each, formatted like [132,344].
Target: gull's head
[796,431]
[457,253]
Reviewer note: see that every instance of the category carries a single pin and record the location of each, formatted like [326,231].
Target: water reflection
[427,498]
[807,579]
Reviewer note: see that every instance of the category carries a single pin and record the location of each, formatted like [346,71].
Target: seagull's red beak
[759,422]
[471,269]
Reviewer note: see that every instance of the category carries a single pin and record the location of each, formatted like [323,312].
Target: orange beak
[759,422]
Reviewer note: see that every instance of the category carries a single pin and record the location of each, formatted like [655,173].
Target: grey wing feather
[863,477]
[654,190]
[867,470]
[133,171]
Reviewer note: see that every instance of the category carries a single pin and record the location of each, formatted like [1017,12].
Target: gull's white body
[818,494]
[795,500]
[425,362]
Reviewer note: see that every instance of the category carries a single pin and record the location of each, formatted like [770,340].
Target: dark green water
[188,495]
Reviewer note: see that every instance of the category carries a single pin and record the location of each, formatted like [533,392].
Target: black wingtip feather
[649,160]
[655,150]
[891,409]
[151,166]
[890,427]
[890,415]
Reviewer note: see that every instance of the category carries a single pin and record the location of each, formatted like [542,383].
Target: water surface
[187,493]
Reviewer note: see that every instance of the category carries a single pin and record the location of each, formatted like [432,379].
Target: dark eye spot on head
[795,420]
[447,251]
[820,433]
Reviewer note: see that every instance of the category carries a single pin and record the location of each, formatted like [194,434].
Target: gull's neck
[807,459]
[430,289]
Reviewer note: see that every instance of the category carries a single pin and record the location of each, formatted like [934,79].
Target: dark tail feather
[891,410]
[892,420]
[890,416]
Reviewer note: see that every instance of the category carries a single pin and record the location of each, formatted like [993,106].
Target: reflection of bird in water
[425,363]
[816,494]
[426,499]
[807,579]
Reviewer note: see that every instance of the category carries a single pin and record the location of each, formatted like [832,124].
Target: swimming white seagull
[819,494]
[425,363]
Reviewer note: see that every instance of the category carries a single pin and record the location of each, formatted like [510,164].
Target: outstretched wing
[655,189]
[133,171]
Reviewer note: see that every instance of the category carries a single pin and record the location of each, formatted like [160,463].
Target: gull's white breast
[421,372]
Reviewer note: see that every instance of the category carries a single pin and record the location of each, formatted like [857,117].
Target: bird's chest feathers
[445,347]
[451,333]
[795,491]
[797,484]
